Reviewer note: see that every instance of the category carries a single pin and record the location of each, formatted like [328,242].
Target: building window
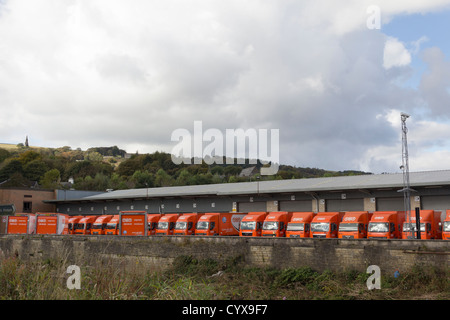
[27,206]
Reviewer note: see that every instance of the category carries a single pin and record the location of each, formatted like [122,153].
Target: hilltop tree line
[99,169]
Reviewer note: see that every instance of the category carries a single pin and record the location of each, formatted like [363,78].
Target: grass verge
[189,278]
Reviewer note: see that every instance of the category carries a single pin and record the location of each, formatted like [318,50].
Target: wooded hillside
[103,168]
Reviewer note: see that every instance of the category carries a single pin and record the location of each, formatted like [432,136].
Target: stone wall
[158,252]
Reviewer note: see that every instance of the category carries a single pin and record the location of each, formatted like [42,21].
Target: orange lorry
[133,223]
[84,226]
[251,224]
[219,224]
[430,225]
[166,224]
[100,223]
[299,226]
[21,223]
[326,224]
[446,226]
[52,223]
[386,225]
[152,223]
[185,225]
[72,222]
[354,225]
[112,227]
[275,224]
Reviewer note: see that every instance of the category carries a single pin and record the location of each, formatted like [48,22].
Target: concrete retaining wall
[158,252]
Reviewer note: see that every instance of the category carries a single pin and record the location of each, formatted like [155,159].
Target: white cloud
[395,54]
[435,83]
[417,44]
[90,73]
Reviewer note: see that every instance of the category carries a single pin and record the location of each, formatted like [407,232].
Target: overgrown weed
[197,279]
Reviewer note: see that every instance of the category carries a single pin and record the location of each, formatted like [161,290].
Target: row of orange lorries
[346,225]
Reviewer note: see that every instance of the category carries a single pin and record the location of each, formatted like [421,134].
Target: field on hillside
[9,147]
[14,147]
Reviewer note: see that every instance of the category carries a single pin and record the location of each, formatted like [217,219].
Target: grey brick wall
[159,251]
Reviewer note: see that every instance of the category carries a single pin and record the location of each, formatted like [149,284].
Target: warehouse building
[25,200]
[374,192]
[28,200]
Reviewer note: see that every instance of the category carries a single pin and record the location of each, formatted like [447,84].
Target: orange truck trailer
[185,225]
[21,223]
[430,225]
[166,224]
[326,224]
[133,223]
[84,226]
[299,226]
[112,227]
[99,226]
[219,224]
[446,226]
[152,223]
[275,224]
[251,224]
[52,223]
[354,225]
[386,225]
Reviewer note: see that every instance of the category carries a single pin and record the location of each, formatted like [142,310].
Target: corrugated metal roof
[371,181]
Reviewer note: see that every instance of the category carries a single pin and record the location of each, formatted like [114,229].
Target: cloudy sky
[88,73]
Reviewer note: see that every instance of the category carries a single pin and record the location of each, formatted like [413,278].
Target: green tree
[163,179]
[217,179]
[203,178]
[143,179]
[4,154]
[16,180]
[87,168]
[51,179]
[29,156]
[101,182]
[13,166]
[117,182]
[232,170]
[217,170]
[83,183]
[128,167]
[35,170]
[184,178]
[93,156]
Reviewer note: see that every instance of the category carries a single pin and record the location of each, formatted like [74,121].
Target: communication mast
[405,167]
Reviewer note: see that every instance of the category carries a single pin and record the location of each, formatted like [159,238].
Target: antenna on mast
[405,167]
